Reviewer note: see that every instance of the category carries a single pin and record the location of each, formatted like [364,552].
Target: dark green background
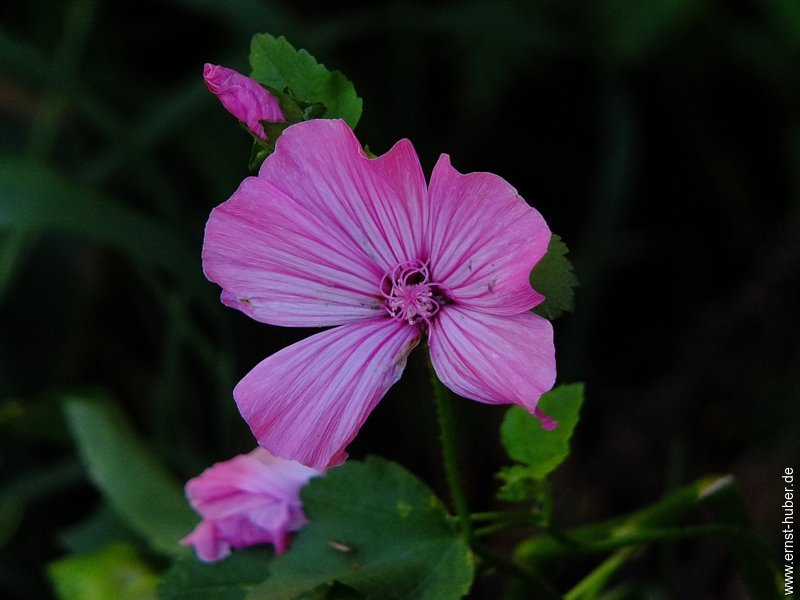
[660,139]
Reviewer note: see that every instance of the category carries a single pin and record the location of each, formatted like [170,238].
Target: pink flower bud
[250,499]
[243,97]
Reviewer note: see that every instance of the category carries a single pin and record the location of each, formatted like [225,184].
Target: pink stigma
[409,294]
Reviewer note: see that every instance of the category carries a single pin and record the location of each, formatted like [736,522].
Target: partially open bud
[250,499]
[243,97]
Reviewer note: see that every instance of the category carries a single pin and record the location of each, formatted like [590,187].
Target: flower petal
[308,401]
[376,205]
[484,240]
[208,544]
[280,264]
[493,359]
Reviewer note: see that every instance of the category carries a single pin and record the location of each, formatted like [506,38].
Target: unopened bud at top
[243,97]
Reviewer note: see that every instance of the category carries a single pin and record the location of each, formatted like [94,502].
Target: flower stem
[444,410]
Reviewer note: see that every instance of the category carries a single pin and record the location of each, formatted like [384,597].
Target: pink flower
[250,499]
[326,236]
[243,97]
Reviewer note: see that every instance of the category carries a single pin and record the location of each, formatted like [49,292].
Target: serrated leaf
[229,579]
[277,64]
[115,571]
[553,278]
[377,529]
[135,483]
[526,441]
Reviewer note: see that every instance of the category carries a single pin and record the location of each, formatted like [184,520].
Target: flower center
[409,295]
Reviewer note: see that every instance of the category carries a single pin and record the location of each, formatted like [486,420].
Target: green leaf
[133,481]
[116,571]
[229,579]
[526,441]
[553,278]
[278,65]
[377,529]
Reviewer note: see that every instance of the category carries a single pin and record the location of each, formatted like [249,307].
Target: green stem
[499,521]
[591,585]
[494,528]
[504,516]
[444,410]
[658,535]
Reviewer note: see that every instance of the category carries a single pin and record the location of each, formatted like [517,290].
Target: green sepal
[295,112]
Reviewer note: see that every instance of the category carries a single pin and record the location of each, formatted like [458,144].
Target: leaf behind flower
[278,65]
[554,279]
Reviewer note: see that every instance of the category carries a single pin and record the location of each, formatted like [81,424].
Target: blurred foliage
[113,572]
[134,483]
[660,138]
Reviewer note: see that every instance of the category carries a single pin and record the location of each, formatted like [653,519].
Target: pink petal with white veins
[493,359]
[484,240]
[377,205]
[308,401]
[280,264]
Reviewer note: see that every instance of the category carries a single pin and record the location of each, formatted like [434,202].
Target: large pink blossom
[243,97]
[326,236]
[250,499]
